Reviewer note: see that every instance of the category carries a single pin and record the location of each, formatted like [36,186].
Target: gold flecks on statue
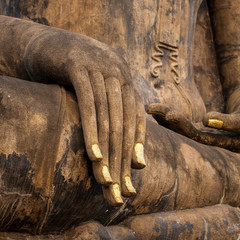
[215,123]
[117,193]
[140,154]
[106,174]
[97,152]
[129,185]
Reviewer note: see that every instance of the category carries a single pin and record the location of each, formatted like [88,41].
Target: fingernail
[140,154]
[215,123]
[129,186]
[106,175]
[117,194]
[97,152]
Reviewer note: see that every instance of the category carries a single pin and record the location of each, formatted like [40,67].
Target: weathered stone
[50,133]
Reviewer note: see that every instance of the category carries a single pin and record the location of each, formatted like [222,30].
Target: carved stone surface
[72,119]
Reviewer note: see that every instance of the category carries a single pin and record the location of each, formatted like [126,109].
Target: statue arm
[113,120]
[180,124]
[227,44]
[225,19]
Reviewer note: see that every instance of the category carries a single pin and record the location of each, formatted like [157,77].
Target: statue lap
[39,189]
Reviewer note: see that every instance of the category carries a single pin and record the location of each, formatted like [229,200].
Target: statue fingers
[113,192]
[129,129]
[101,169]
[138,160]
[158,109]
[228,122]
[159,112]
[172,120]
[81,83]
[181,124]
[215,120]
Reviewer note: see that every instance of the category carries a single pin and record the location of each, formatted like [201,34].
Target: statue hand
[228,122]
[173,120]
[179,123]
[113,121]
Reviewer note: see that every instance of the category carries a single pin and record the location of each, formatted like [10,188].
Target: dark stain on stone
[17,173]
[126,8]
[76,201]
[162,227]
[2,108]
[179,229]
[31,9]
[225,222]
[19,217]
[76,138]
[41,20]
[159,84]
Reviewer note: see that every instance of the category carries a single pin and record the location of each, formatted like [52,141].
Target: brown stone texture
[205,223]
[206,73]
[205,177]
[182,55]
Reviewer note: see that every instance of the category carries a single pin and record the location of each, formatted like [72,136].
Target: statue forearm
[15,36]
[225,21]
[44,54]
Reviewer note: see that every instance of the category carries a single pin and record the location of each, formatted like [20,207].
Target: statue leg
[216,222]
[46,180]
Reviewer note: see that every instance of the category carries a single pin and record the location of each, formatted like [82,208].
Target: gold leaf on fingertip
[129,186]
[117,193]
[215,123]
[97,152]
[139,152]
[106,174]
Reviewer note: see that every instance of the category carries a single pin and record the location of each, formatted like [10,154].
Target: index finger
[82,85]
